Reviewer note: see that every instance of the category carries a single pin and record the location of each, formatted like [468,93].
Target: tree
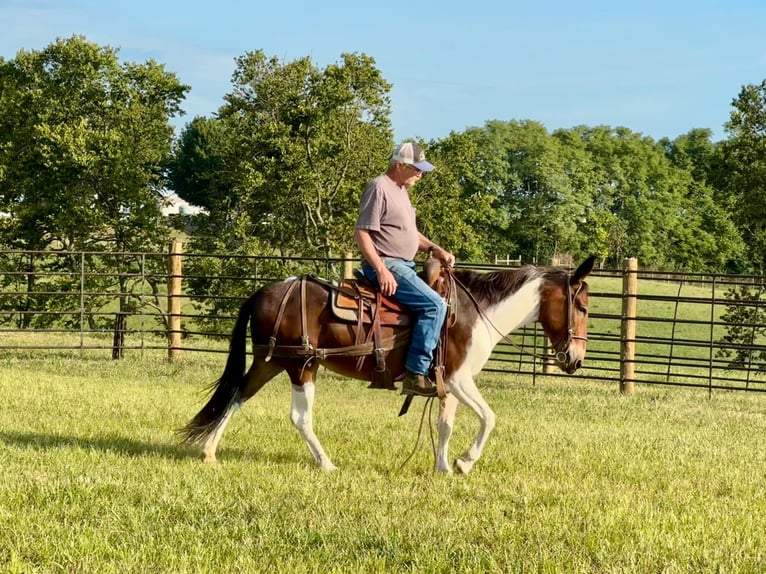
[298,145]
[454,203]
[742,175]
[651,207]
[84,141]
[536,208]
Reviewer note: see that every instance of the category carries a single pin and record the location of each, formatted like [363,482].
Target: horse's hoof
[328,468]
[462,467]
[209,458]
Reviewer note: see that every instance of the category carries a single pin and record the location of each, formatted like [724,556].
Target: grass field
[576,478]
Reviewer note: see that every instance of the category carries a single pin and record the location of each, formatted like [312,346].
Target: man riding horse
[387,235]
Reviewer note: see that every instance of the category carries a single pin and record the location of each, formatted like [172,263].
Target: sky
[660,68]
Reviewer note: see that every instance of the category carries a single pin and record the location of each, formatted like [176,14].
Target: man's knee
[437,307]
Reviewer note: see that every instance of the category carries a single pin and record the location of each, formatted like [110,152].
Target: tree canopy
[288,153]
[86,147]
[85,140]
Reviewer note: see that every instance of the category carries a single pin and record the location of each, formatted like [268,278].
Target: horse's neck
[518,309]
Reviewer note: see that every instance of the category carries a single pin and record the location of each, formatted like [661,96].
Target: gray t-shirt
[386,212]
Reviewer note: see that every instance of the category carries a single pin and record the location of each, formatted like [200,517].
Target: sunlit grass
[576,478]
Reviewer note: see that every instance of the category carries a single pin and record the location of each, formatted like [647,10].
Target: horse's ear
[583,270]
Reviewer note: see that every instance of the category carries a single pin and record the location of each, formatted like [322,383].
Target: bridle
[561,346]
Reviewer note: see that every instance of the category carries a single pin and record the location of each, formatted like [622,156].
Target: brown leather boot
[415,384]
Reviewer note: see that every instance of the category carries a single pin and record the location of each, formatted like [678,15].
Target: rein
[560,351]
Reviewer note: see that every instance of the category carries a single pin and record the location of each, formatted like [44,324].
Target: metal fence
[694,330]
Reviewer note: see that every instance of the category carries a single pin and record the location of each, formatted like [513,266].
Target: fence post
[118,341]
[174,300]
[348,266]
[628,326]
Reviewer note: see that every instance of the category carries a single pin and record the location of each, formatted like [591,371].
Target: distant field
[576,478]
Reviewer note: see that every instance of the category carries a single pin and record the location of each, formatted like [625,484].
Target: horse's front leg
[301,415]
[447,409]
[465,390]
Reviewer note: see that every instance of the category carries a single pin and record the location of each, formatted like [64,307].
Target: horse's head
[564,315]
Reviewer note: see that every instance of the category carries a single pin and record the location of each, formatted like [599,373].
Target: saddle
[358,296]
[359,301]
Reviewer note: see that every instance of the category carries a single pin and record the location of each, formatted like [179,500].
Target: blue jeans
[423,302]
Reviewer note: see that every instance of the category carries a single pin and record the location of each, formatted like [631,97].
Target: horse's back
[287,307]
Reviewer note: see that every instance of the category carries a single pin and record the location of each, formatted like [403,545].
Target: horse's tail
[227,390]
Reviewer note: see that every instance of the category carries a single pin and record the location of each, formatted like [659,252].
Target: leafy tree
[742,174]
[540,190]
[453,203]
[708,239]
[600,231]
[745,332]
[646,206]
[84,141]
[201,169]
[528,204]
[290,152]
[694,152]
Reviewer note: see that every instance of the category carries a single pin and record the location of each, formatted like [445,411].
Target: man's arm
[370,254]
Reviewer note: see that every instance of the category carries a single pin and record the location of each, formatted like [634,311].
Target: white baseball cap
[411,154]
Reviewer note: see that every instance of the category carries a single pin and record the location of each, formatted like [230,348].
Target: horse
[293,329]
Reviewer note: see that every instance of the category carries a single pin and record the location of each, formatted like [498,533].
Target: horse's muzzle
[568,362]
[573,366]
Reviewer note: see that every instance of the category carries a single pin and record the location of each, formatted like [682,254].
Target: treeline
[87,149]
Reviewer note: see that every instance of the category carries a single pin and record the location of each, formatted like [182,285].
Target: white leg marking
[447,409]
[211,444]
[302,417]
[465,390]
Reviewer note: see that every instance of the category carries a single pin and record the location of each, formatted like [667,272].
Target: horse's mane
[494,286]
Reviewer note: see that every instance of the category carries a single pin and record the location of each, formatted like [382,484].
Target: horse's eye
[583,310]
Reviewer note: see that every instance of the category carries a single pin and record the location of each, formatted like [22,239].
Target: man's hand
[446,258]
[386,281]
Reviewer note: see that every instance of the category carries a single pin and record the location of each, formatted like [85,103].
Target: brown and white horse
[486,308]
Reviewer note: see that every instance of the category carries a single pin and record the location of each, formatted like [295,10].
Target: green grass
[576,478]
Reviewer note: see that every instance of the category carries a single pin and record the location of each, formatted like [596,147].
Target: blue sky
[659,68]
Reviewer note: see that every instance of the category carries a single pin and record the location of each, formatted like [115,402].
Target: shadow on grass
[133,448]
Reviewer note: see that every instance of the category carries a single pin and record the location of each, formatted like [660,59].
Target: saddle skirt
[354,295]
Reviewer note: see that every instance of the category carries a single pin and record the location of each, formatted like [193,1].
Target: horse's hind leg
[259,374]
[301,415]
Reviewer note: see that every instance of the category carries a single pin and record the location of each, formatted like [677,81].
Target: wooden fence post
[174,300]
[348,266]
[628,326]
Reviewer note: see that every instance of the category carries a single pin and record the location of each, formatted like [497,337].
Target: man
[388,238]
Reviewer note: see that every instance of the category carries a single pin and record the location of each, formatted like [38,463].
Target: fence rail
[691,330]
